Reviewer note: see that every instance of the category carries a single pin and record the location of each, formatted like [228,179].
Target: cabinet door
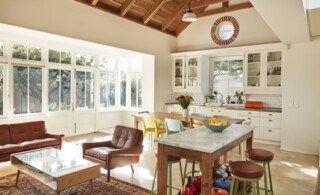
[253,70]
[178,73]
[193,73]
[273,73]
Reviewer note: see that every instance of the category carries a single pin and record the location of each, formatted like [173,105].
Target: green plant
[184,101]
[238,94]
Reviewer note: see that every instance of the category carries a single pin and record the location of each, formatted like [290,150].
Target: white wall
[253,30]
[301,84]
[73,19]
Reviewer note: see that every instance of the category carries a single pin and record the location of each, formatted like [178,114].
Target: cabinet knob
[219,110]
[270,120]
[270,114]
[249,118]
[269,130]
[249,112]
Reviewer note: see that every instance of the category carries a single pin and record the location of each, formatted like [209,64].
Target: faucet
[218,100]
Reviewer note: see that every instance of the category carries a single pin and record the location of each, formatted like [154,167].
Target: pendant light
[189,16]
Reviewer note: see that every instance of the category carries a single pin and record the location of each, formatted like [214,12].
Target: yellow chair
[221,116]
[176,112]
[152,125]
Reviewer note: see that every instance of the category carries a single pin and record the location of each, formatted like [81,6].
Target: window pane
[80,89]
[20,89]
[1,49]
[35,90]
[136,65]
[108,63]
[65,90]
[107,89]
[84,60]
[34,54]
[139,91]
[123,88]
[54,56]
[103,90]
[65,58]
[1,90]
[19,52]
[54,89]
[89,90]
[134,91]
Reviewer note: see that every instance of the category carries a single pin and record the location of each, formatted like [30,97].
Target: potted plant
[238,94]
[184,101]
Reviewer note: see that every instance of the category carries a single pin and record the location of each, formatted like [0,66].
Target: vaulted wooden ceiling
[165,15]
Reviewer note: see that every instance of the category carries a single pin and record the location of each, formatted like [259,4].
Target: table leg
[206,180]
[17,178]
[162,170]
[136,122]
[92,185]
[249,142]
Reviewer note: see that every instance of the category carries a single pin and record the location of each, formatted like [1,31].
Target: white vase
[185,113]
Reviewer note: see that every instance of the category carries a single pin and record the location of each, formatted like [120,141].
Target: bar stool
[171,160]
[263,157]
[248,173]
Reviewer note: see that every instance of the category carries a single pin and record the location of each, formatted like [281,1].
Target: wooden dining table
[200,144]
[185,120]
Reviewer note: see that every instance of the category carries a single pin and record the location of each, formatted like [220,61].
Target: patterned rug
[30,186]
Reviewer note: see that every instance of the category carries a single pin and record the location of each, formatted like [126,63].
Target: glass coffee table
[52,168]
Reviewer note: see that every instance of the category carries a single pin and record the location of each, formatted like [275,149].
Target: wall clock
[225,30]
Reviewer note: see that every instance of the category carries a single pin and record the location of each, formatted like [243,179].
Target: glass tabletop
[52,162]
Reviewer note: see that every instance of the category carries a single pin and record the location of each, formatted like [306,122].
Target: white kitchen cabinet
[262,70]
[190,74]
[178,108]
[270,126]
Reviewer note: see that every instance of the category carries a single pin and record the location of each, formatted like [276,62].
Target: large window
[59,90]
[85,89]
[84,60]
[1,49]
[26,53]
[59,57]
[108,79]
[228,76]
[136,90]
[27,84]
[1,89]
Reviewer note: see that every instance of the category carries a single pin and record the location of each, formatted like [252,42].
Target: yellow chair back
[176,112]
[221,116]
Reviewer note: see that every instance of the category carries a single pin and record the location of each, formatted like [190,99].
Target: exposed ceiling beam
[225,4]
[153,10]
[94,2]
[174,15]
[225,9]
[204,3]
[184,25]
[126,6]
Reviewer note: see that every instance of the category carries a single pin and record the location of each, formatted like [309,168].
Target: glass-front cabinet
[263,71]
[190,74]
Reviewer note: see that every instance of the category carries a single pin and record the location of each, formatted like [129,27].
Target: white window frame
[42,61]
[85,69]
[5,90]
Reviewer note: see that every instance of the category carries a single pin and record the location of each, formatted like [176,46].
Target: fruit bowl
[216,128]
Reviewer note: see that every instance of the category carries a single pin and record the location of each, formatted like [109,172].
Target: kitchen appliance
[254,104]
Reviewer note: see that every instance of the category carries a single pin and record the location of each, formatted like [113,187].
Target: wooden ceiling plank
[174,15]
[225,9]
[204,3]
[126,6]
[94,2]
[225,4]
[153,10]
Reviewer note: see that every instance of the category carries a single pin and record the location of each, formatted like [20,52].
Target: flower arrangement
[238,94]
[184,101]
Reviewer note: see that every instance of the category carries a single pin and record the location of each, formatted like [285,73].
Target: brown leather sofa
[124,149]
[25,136]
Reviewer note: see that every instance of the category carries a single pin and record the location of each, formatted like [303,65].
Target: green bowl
[217,129]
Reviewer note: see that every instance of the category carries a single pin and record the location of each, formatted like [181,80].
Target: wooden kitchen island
[200,144]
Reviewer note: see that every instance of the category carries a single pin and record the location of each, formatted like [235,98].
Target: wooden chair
[152,125]
[194,122]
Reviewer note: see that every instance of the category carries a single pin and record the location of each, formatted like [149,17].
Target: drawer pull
[270,120]
[249,112]
[219,110]
[269,130]
[270,114]
[249,118]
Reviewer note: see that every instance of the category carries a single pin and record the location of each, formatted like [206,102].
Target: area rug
[30,186]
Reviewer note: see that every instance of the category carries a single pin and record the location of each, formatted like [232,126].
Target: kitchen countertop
[265,109]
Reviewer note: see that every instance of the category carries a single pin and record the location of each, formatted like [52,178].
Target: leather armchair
[124,149]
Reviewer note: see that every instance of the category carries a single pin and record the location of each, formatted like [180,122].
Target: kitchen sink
[213,104]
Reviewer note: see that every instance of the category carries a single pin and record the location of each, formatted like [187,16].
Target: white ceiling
[287,19]
[314,21]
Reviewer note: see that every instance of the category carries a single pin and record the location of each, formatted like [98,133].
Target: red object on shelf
[254,104]
[219,191]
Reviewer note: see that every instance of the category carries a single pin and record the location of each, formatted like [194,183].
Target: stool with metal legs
[249,174]
[263,157]
[171,160]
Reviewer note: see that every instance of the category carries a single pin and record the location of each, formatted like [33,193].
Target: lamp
[189,16]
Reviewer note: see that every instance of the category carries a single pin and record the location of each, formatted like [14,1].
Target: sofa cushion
[10,148]
[27,131]
[125,137]
[5,135]
[39,143]
[99,152]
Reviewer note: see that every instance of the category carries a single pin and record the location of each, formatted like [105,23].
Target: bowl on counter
[217,129]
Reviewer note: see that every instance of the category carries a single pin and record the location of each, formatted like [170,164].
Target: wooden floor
[292,173]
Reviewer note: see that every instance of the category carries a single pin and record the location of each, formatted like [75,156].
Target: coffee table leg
[17,178]
[92,185]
